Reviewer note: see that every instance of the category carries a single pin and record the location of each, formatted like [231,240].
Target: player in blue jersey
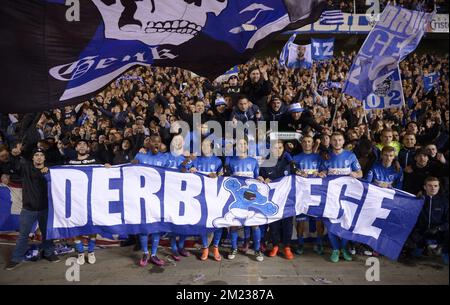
[176,160]
[155,158]
[340,162]
[230,150]
[151,155]
[210,165]
[383,173]
[259,149]
[308,164]
[244,166]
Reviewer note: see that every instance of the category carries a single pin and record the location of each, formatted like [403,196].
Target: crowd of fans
[128,115]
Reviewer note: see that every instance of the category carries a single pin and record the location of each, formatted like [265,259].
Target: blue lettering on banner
[133,199]
[363,24]
[322,49]
[374,77]
[430,81]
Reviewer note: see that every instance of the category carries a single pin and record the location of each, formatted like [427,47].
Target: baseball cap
[38,150]
[296,107]
[82,140]
[220,101]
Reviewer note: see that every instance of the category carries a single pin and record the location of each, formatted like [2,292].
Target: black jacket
[7,168]
[282,168]
[221,118]
[34,193]
[434,213]
[276,115]
[123,156]
[406,156]
[257,93]
[306,119]
[413,182]
[233,92]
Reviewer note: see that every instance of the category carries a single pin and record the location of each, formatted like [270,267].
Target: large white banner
[134,199]
[363,24]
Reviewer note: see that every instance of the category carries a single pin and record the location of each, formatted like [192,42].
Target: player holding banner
[281,229]
[85,158]
[210,165]
[308,164]
[176,160]
[244,166]
[152,156]
[340,162]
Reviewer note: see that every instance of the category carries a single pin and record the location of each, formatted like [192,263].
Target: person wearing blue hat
[220,101]
[295,108]
[220,110]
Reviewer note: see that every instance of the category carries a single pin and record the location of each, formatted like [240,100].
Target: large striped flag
[224,77]
[375,77]
[54,54]
[335,17]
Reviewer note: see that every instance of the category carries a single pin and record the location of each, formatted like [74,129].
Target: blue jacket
[249,115]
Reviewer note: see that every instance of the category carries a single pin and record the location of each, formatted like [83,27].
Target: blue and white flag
[294,56]
[334,17]
[383,91]
[133,199]
[224,77]
[9,211]
[430,81]
[129,77]
[333,85]
[374,77]
[71,51]
[322,49]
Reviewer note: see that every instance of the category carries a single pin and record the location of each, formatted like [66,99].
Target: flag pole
[338,103]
